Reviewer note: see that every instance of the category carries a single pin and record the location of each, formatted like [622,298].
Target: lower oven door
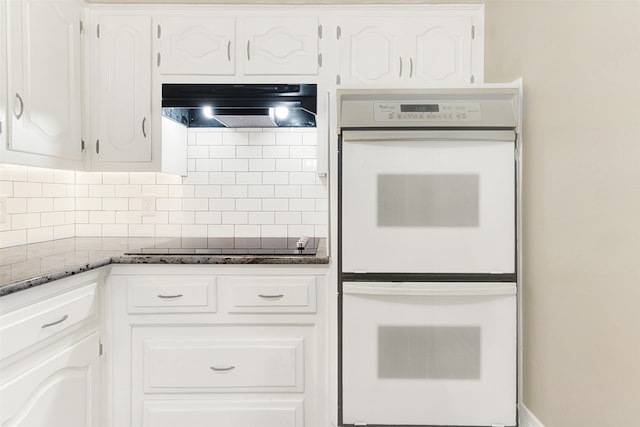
[429,354]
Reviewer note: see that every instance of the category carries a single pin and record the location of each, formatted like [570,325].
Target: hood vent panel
[241,106]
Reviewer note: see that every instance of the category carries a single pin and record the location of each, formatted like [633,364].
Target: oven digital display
[419,108]
[420,112]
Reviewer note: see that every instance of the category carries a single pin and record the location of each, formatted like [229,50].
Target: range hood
[240,105]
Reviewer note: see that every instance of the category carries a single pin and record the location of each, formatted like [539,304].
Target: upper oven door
[428,201]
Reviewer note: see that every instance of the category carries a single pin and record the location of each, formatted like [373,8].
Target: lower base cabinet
[58,391]
[217,346]
[227,412]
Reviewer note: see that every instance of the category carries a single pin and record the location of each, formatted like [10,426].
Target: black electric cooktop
[231,246]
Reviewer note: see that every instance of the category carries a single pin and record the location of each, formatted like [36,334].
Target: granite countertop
[26,266]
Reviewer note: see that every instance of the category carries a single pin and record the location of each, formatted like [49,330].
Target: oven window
[440,200]
[433,352]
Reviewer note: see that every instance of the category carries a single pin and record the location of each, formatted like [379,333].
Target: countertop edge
[41,279]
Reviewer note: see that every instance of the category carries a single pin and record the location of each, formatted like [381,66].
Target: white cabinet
[49,363]
[198,345]
[121,113]
[434,47]
[44,83]
[284,45]
[58,390]
[196,45]
[206,44]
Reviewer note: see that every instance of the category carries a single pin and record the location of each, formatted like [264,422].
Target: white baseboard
[527,419]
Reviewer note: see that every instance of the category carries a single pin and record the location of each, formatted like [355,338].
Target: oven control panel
[384,111]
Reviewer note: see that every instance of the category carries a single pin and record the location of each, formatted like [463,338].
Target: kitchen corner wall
[240,182]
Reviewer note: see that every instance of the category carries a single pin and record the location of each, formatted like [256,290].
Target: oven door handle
[428,289]
[381,136]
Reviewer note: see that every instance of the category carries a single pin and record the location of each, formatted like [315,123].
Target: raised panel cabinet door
[284,46]
[124,89]
[442,49]
[59,390]
[44,77]
[196,45]
[371,51]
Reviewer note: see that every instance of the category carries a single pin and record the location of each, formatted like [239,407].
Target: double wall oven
[427,257]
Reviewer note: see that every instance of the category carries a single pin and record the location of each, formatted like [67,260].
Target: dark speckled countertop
[26,266]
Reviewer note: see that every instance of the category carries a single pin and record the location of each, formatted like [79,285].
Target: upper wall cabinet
[44,83]
[432,46]
[278,46]
[207,45]
[196,45]
[121,113]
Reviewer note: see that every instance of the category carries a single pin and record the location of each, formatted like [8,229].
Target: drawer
[278,294]
[24,327]
[167,294]
[200,365]
[240,412]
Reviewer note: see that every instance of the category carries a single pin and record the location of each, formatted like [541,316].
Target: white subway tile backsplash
[262,191]
[115,178]
[243,205]
[262,138]
[241,182]
[275,178]
[288,165]
[222,204]
[191,204]
[235,165]
[262,165]
[235,217]
[209,190]
[208,218]
[220,230]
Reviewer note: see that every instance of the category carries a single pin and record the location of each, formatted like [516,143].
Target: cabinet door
[196,45]
[44,80]
[123,86]
[440,50]
[275,47]
[371,50]
[60,389]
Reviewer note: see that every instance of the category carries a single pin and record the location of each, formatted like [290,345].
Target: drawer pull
[271,297]
[222,370]
[170,296]
[57,322]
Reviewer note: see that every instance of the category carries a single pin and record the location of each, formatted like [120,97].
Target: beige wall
[581,66]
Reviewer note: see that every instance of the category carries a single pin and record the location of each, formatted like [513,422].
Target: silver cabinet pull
[97,146]
[170,296]
[57,322]
[410,67]
[144,132]
[18,115]
[271,297]
[227,369]
[400,73]
[229,51]
[248,50]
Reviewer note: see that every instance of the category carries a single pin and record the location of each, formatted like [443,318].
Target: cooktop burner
[231,246]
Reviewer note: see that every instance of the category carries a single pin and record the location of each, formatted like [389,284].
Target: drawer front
[279,294]
[244,413]
[217,365]
[24,327]
[165,294]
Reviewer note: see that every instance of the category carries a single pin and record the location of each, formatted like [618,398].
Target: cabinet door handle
[229,51]
[410,67]
[400,73]
[144,122]
[18,115]
[248,50]
[271,297]
[227,369]
[170,296]
[57,322]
